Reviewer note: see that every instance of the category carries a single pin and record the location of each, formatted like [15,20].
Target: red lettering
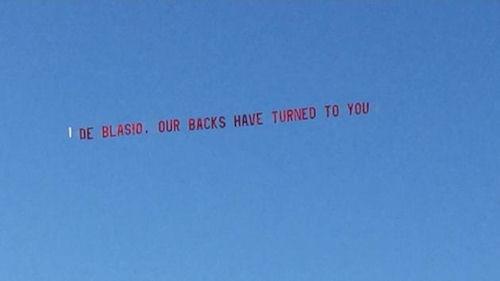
[127,129]
[206,123]
[252,119]
[296,114]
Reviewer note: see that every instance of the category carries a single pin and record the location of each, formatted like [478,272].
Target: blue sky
[410,191]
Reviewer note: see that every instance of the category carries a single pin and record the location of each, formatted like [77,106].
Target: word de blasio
[217,122]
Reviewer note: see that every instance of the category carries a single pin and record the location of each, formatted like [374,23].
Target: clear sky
[410,191]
